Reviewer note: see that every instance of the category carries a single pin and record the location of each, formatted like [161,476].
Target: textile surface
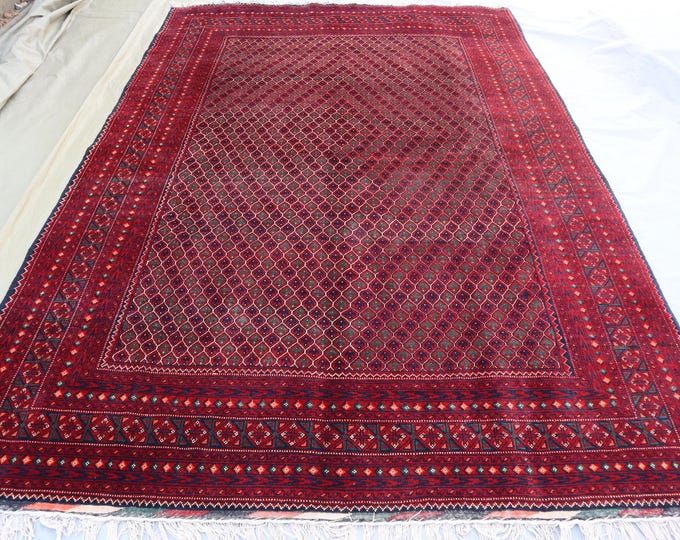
[338,257]
[92,521]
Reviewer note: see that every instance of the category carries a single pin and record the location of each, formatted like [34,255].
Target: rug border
[265,504]
[605,182]
[564,503]
[23,267]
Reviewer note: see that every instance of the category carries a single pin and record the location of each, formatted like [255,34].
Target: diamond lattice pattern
[341,209]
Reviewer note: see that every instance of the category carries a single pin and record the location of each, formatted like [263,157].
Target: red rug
[339,257]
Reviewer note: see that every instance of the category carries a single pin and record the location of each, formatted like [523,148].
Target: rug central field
[338,257]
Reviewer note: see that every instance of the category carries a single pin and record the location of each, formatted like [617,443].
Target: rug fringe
[25,525]
[376,3]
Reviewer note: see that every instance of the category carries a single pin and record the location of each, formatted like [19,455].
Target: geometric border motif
[617,445]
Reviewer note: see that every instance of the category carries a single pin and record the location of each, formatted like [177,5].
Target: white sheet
[25,44]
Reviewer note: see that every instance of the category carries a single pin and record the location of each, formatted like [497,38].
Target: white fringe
[487,3]
[24,525]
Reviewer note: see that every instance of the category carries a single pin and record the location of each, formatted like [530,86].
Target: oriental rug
[338,257]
